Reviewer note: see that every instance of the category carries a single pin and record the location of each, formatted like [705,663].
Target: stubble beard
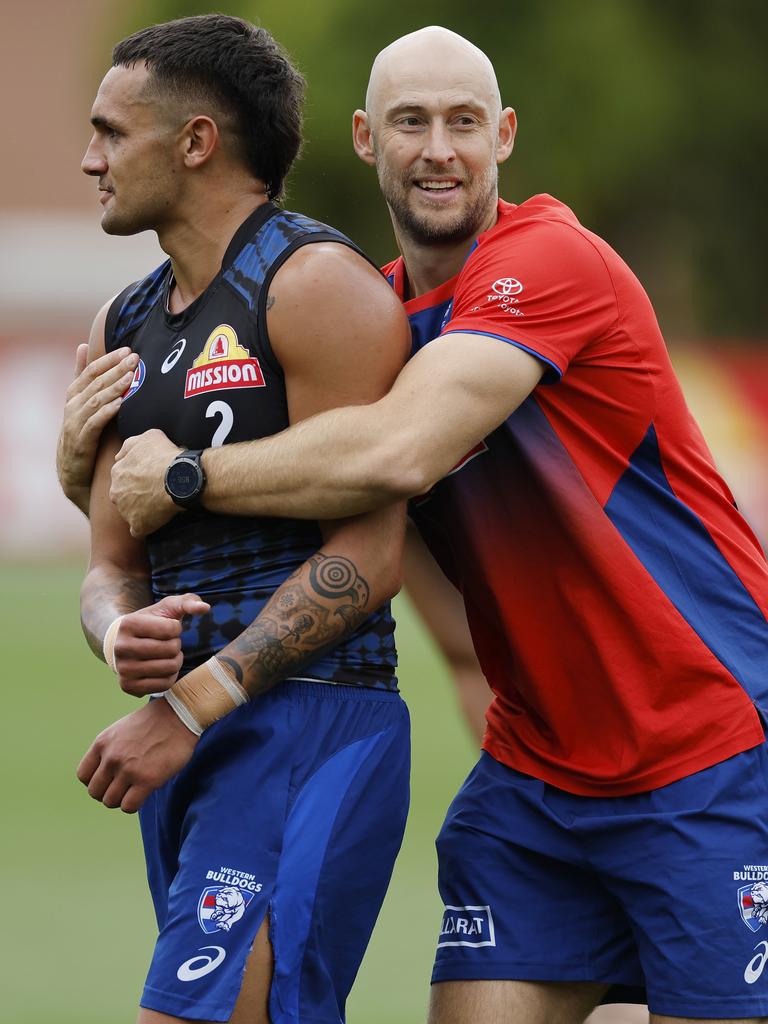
[144,205]
[435,230]
[120,226]
[144,217]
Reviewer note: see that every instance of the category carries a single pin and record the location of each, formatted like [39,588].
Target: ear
[362,137]
[507,131]
[200,139]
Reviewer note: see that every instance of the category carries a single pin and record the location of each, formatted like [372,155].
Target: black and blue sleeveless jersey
[208,376]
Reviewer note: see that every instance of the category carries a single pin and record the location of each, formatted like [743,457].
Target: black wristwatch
[185,480]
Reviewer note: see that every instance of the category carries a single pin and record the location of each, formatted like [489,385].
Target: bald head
[435,57]
[435,131]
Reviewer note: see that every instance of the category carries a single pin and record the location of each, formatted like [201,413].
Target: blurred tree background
[646,116]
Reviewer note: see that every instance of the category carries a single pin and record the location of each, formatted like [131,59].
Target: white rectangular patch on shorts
[467,926]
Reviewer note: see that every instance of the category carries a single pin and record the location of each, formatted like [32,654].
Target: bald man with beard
[616,598]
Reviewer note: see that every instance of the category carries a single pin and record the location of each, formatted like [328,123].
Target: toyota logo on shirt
[507,286]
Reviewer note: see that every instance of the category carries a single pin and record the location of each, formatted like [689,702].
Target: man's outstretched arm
[450,396]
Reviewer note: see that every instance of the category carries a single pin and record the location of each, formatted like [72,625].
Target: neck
[430,264]
[196,243]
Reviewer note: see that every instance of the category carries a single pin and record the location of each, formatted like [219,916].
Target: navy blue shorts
[666,890]
[292,807]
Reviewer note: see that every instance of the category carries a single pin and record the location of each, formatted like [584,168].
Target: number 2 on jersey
[227,419]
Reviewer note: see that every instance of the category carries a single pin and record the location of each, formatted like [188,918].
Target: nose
[438,146]
[93,161]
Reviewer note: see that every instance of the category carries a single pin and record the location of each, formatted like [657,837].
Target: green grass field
[78,927]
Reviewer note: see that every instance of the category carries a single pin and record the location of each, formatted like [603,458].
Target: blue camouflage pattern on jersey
[233,562]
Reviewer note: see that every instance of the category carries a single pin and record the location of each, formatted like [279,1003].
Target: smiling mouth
[432,185]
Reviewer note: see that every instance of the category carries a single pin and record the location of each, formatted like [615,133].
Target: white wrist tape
[184,713]
[110,639]
[205,695]
[233,688]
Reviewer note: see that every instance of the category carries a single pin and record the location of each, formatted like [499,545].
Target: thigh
[619,1013]
[519,902]
[512,1002]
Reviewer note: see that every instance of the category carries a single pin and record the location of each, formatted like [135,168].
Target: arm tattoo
[107,593]
[270,302]
[320,604]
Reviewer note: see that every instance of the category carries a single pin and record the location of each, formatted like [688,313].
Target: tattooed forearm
[321,603]
[105,594]
[337,579]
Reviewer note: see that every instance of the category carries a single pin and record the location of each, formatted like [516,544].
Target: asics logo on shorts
[198,966]
[754,968]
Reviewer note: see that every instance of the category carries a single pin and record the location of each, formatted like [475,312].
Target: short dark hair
[240,69]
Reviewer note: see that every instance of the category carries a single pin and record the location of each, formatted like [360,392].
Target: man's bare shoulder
[333,265]
[327,302]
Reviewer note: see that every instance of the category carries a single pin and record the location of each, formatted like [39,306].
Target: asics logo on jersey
[198,966]
[173,356]
[507,286]
[754,968]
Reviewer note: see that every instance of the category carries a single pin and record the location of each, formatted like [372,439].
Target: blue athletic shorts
[292,807]
[666,889]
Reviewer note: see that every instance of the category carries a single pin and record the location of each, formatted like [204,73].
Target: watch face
[184,479]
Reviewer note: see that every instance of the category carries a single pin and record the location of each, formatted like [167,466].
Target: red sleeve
[543,287]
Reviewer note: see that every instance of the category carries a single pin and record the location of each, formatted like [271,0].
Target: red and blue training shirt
[617,599]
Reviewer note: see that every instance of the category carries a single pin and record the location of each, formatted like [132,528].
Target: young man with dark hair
[235,69]
[270,641]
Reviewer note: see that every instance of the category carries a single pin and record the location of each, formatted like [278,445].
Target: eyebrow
[462,103]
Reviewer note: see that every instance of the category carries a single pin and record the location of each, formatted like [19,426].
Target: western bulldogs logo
[139,375]
[753,905]
[221,906]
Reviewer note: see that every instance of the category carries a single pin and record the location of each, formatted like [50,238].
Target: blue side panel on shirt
[425,325]
[256,257]
[677,550]
[139,302]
